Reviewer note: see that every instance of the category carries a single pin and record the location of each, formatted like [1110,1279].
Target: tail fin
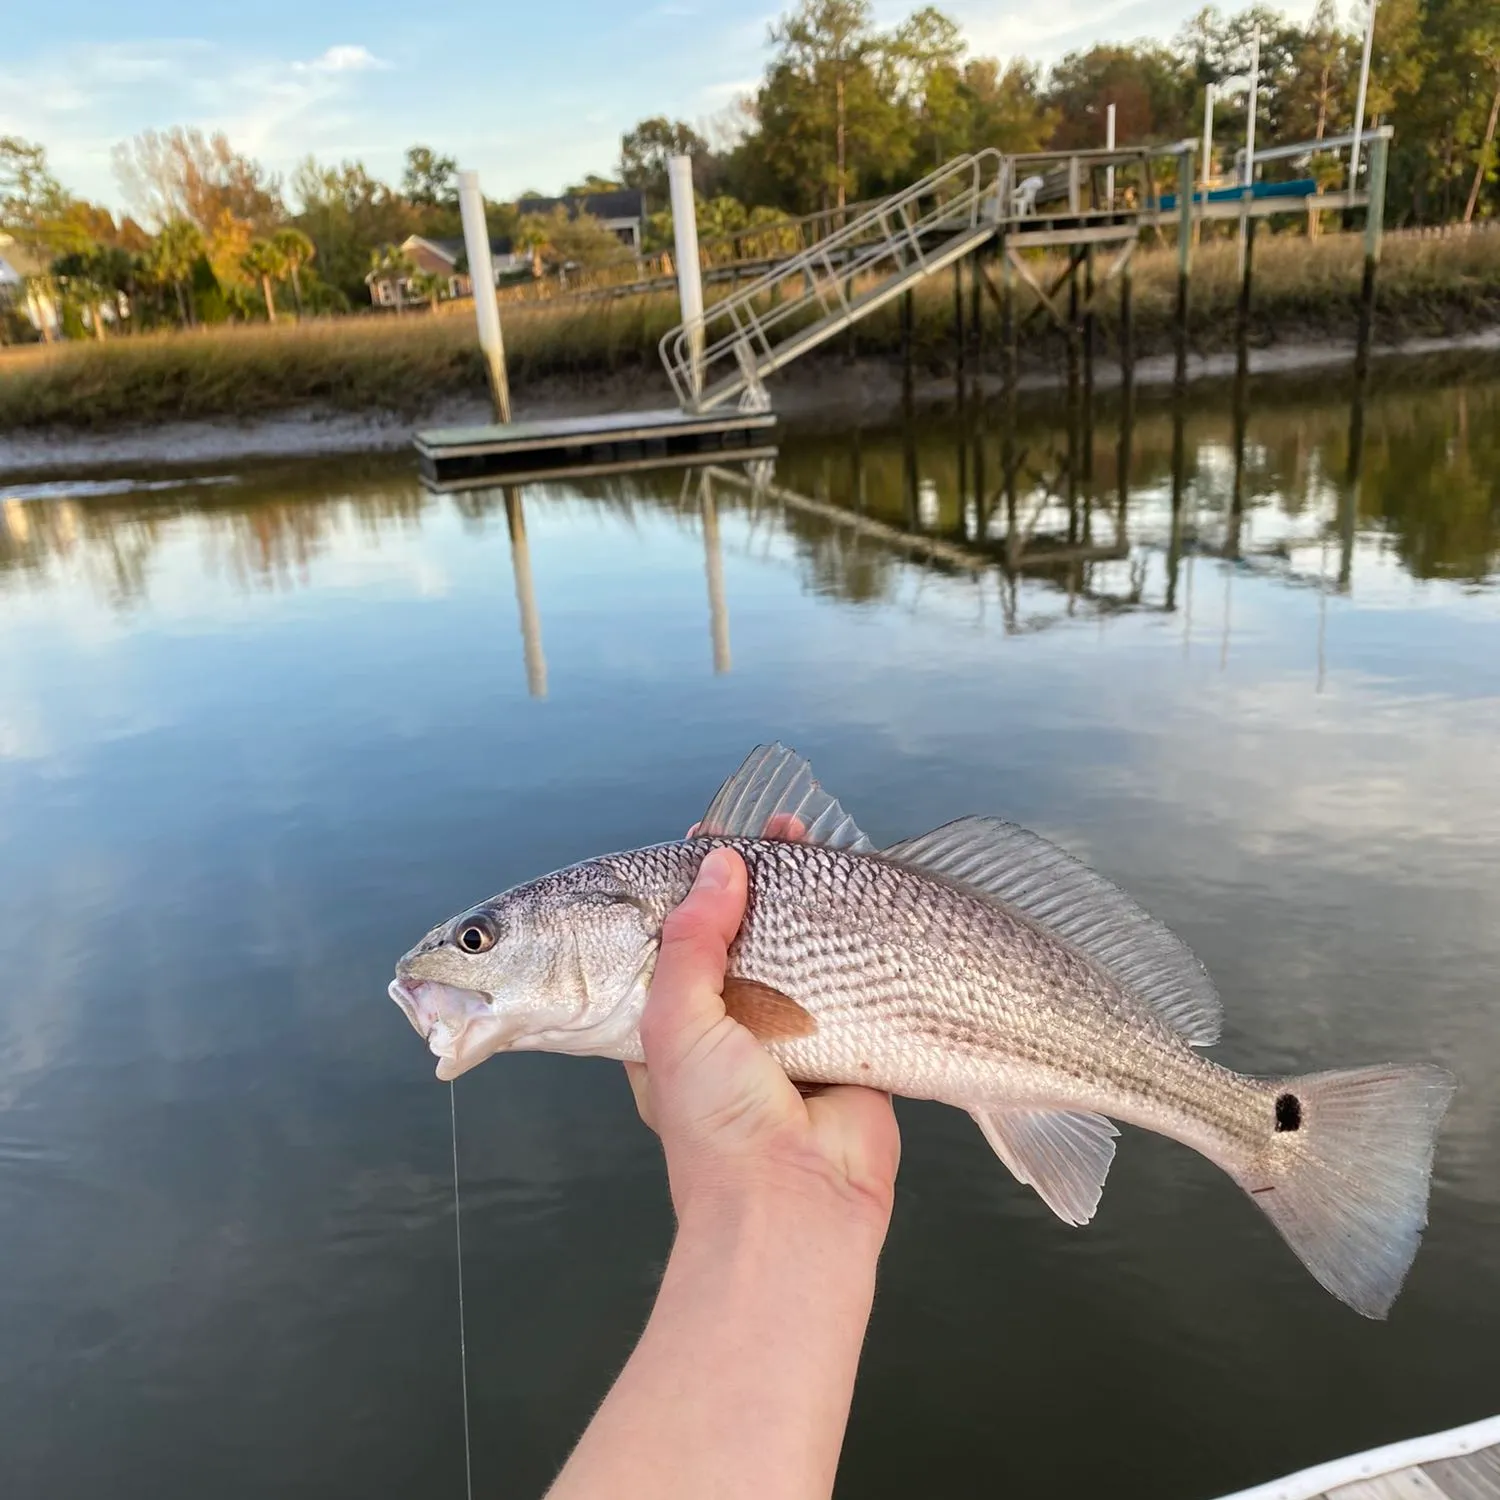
[1346,1176]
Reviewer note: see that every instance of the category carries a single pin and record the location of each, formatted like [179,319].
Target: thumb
[686,999]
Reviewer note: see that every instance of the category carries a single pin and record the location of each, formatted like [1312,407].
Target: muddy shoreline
[821,391]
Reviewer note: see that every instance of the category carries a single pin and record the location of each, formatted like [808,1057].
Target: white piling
[1109,143]
[1247,177]
[1208,138]
[689,272]
[1359,104]
[482,275]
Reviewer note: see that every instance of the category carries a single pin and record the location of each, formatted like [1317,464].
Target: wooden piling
[906,319]
[1242,314]
[1374,228]
[1184,266]
[1088,361]
[958,324]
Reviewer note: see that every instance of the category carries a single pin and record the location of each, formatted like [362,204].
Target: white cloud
[343,59]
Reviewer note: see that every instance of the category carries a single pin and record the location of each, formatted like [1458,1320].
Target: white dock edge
[1377,1461]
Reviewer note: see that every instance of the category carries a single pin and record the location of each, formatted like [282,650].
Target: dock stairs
[806,300]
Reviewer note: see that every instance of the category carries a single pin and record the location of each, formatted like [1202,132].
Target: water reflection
[253,738]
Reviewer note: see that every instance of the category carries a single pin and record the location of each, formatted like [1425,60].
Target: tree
[644,151]
[429,179]
[1482,42]
[183,174]
[430,286]
[31,198]
[176,251]
[592,183]
[569,240]
[345,212]
[821,108]
[263,261]
[296,251]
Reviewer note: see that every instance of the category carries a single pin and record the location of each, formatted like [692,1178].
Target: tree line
[845,111]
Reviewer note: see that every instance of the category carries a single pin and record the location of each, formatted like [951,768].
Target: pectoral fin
[1064,1155]
[766,1013]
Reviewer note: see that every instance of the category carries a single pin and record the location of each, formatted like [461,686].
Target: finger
[640,1086]
[786,826]
[686,996]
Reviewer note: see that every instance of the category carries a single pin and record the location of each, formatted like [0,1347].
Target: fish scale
[977,965]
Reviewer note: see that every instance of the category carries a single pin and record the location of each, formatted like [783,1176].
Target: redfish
[977,965]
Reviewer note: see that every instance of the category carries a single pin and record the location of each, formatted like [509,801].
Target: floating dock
[1462,1464]
[456,458]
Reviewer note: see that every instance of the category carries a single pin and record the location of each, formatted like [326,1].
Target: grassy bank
[1304,291]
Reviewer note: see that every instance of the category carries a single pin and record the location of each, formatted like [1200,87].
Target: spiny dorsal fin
[1052,888]
[1063,1154]
[775,795]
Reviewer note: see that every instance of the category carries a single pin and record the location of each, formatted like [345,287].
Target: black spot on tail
[1288,1112]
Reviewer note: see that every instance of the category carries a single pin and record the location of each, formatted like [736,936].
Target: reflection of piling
[531,625]
[713,567]
[1349,496]
[1179,464]
[1237,493]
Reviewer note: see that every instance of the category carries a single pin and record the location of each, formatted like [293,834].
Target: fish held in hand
[977,965]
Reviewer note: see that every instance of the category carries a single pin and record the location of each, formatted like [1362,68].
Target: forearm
[740,1385]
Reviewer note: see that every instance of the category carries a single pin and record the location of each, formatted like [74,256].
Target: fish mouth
[459,1026]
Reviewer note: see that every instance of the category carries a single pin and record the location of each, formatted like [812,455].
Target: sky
[531,95]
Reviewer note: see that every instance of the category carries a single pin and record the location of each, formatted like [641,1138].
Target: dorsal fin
[1052,888]
[775,795]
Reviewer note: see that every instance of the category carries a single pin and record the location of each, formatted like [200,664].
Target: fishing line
[458,1242]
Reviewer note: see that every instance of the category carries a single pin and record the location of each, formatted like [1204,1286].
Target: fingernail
[713,873]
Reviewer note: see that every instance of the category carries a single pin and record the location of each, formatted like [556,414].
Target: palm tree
[296,251]
[176,250]
[264,260]
[391,263]
[431,285]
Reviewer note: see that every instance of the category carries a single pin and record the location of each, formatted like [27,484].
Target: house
[623,212]
[435,257]
[18,288]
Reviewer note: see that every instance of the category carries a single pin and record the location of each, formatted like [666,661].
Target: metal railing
[872,258]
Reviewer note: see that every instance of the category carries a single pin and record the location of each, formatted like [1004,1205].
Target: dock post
[1374,227]
[486,304]
[1184,264]
[531,625]
[906,320]
[958,323]
[1088,362]
[1242,316]
[689,268]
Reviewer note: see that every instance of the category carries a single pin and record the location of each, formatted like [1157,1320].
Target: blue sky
[531,94]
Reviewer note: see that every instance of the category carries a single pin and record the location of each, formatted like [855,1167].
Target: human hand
[733,1126]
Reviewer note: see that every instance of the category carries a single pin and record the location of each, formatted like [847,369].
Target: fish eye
[476,935]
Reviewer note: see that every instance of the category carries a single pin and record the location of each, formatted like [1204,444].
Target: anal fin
[1063,1154]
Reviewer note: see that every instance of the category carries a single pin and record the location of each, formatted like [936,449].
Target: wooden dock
[456,458]
[1461,1464]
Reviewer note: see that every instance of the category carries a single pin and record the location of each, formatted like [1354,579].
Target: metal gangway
[806,300]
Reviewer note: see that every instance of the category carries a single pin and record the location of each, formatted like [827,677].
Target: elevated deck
[614,442]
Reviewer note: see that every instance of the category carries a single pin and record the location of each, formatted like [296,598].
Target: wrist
[782,1201]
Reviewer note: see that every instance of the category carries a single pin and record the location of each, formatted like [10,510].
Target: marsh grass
[1304,291]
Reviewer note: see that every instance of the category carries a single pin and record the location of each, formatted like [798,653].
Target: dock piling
[486,304]
[1374,230]
[1184,265]
[689,269]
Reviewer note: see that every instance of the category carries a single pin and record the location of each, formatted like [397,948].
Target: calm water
[255,735]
